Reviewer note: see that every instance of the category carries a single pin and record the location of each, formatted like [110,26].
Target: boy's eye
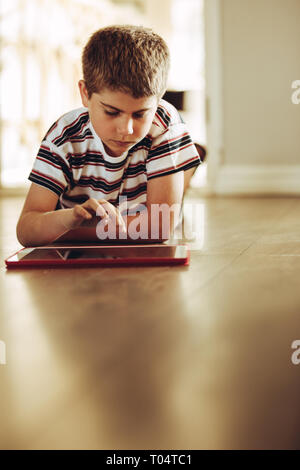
[116,113]
[111,113]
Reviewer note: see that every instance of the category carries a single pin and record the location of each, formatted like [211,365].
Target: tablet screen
[107,252]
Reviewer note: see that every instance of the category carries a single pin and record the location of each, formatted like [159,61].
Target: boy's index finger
[96,207]
[80,213]
[101,212]
[110,209]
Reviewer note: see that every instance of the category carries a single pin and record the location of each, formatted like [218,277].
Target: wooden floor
[194,357]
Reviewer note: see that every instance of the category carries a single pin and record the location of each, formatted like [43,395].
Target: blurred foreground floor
[194,357]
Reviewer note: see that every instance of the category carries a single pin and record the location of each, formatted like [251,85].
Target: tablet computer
[100,255]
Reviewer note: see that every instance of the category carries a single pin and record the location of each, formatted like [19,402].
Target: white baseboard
[258,180]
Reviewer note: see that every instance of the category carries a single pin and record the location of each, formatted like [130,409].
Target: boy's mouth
[122,143]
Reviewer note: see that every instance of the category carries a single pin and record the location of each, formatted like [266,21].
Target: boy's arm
[152,225]
[40,223]
[164,199]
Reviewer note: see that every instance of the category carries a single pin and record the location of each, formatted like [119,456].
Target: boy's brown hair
[128,58]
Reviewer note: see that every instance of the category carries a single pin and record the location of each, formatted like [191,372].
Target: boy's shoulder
[166,116]
[74,124]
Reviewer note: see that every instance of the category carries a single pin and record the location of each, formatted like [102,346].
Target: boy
[126,144]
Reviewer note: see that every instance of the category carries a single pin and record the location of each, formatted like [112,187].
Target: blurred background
[234,63]
[41,46]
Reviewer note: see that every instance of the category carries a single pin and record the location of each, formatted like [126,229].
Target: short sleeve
[51,169]
[171,151]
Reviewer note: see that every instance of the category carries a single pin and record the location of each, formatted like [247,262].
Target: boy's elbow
[20,234]
[25,243]
[23,232]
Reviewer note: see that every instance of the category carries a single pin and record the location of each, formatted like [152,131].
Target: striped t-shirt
[73,163]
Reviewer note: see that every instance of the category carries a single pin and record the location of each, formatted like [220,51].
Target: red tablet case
[12,262]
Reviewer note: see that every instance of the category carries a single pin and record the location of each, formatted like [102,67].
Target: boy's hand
[92,207]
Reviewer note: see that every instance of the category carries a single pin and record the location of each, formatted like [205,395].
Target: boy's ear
[83,93]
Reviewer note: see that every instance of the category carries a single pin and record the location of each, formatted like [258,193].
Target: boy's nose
[125,127]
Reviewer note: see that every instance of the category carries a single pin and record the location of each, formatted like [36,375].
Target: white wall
[259,50]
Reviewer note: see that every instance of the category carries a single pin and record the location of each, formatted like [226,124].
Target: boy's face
[120,120]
